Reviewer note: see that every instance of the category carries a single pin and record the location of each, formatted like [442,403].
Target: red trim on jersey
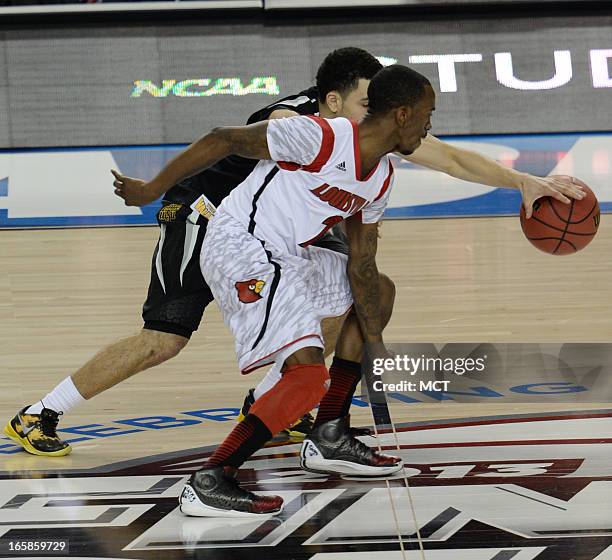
[256,365]
[358,155]
[327,146]
[288,165]
[386,183]
[328,223]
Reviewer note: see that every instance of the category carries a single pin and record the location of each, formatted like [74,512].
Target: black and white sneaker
[332,448]
[215,492]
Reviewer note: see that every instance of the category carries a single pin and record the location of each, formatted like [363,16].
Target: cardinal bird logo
[249,291]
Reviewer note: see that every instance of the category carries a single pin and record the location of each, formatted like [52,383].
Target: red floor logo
[463,494]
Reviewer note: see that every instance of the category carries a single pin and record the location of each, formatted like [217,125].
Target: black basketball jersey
[218,181]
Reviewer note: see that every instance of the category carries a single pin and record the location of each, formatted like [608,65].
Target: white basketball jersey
[313,183]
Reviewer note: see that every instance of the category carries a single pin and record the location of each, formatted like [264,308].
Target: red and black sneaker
[332,448]
[214,492]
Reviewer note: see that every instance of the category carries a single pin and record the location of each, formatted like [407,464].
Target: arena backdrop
[127,85]
[54,6]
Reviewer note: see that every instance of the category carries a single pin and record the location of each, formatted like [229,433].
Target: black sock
[336,403]
[247,437]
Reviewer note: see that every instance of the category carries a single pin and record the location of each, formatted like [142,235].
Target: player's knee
[163,346]
[301,388]
[387,295]
[307,355]
[323,380]
[171,346]
[313,381]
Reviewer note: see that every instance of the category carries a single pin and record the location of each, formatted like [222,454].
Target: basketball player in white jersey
[172,313]
[257,260]
[315,173]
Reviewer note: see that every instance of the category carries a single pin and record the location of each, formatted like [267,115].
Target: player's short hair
[393,87]
[343,68]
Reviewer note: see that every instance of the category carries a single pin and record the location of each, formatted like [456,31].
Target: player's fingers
[573,182]
[119,192]
[528,206]
[117,174]
[577,194]
[560,197]
[570,189]
[117,184]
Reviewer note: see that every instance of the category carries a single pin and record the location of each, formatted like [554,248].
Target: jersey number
[328,223]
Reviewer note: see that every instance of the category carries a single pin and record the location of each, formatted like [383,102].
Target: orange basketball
[562,229]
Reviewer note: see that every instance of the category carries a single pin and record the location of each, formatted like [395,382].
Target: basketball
[562,229]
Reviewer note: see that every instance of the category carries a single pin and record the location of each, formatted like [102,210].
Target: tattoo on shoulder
[249,141]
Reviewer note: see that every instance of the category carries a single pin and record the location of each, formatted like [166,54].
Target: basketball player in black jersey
[178,294]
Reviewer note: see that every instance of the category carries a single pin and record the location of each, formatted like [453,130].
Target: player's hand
[560,187]
[133,191]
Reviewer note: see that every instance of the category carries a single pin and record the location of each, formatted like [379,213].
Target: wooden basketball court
[69,292]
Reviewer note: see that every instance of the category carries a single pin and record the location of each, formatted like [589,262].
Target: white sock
[272,378]
[62,399]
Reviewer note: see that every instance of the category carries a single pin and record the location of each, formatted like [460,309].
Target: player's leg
[213,490]
[348,345]
[123,359]
[302,385]
[173,310]
[336,241]
[331,328]
[345,370]
[332,446]
[34,427]
[266,301]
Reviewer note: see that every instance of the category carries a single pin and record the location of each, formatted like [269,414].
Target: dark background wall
[74,84]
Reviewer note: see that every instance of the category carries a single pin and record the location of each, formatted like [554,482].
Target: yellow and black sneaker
[301,428]
[249,401]
[296,432]
[37,434]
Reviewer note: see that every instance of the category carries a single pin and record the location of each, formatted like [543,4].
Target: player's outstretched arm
[247,141]
[477,168]
[363,277]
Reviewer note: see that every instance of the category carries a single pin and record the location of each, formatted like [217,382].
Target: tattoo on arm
[363,277]
[247,141]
